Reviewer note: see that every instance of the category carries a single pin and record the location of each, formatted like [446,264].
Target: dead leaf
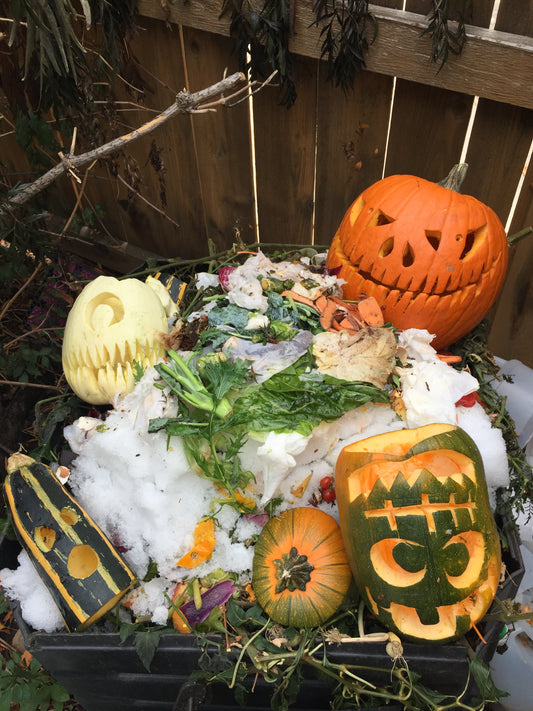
[365,356]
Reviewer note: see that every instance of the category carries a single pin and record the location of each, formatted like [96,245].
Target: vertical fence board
[515,17]
[158,48]
[222,144]
[427,130]
[351,140]
[497,151]
[509,140]
[510,335]
[285,150]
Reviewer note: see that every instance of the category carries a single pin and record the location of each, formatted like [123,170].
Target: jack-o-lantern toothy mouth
[97,370]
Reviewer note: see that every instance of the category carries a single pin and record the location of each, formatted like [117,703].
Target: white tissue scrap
[430,388]
[270,358]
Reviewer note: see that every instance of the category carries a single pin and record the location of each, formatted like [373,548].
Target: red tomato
[468,400]
[328,495]
[326,482]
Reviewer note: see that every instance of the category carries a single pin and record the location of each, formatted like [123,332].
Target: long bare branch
[185,103]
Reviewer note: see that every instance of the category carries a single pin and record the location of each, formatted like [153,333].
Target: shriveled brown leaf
[366,356]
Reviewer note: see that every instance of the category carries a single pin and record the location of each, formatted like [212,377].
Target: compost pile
[153,467]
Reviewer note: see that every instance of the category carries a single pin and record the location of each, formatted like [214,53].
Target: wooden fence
[280,175]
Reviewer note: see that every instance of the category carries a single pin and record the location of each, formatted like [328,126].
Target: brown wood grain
[496,65]
[516,17]
[511,332]
[427,130]
[285,146]
[500,143]
[221,144]
[498,148]
[161,165]
[351,141]
[477,13]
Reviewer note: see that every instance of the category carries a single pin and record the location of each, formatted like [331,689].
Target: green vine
[255,647]
[261,39]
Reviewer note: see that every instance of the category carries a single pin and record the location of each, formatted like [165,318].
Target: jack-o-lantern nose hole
[434,239]
[387,247]
[45,537]
[408,256]
[82,561]
[469,244]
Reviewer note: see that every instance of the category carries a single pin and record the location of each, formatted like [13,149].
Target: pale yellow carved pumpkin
[111,324]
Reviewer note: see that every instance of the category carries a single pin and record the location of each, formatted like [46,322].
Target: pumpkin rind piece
[433,258]
[417,525]
[301,572]
[80,567]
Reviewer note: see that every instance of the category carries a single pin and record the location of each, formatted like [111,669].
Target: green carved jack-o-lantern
[80,567]
[419,531]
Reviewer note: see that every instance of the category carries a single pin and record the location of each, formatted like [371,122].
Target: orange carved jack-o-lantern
[432,257]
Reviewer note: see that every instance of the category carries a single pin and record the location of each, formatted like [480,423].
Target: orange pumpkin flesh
[301,572]
[433,258]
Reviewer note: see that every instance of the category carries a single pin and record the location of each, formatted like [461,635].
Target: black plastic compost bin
[104,674]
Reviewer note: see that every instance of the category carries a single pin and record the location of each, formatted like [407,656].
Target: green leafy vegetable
[299,400]
[188,387]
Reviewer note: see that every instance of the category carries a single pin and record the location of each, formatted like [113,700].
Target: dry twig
[218,94]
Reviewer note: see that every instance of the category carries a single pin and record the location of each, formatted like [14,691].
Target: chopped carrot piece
[204,544]
[178,618]
[449,358]
[327,315]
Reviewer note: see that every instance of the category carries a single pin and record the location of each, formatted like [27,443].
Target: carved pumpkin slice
[301,572]
[416,520]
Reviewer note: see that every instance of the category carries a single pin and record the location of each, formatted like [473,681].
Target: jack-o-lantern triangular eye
[473,240]
[434,238]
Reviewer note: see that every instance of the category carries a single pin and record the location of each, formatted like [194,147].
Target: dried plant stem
[15,296]
[21,384]
[215,95]
[151,204]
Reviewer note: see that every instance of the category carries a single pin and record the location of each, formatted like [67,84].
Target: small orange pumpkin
[433,258]
[300,571]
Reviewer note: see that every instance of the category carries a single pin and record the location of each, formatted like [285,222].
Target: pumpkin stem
[293,571]
[511,239]
[455,177]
